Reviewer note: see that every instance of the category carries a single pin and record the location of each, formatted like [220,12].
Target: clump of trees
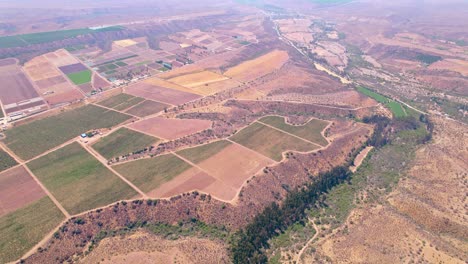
[249,244]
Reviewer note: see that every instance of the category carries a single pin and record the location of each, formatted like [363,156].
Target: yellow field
[185,45]
[216,87]
[125,42]
[198,78]
[258,67]
[162,83]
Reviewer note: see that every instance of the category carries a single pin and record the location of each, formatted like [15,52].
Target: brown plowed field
[44,84]
[171,128]
[234,165]
[17,189]
[99,82]
[69,95]
[15,87]
[161,94]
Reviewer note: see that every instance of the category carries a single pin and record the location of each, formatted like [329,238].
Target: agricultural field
[271,142]
[121,102]
[22,229]
[170,128]
[122,142]
[258,67]
[201,153]
[311,131]
[78,180]
[16,88]
[147,108]
[229,163]
[26,213]
[58,129]
[148,174]
[6,161]
[161,94]
[396,108]
[80,77]
[197,79]
[44,37]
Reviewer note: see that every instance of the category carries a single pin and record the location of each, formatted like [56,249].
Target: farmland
[122,142]
[121,102]
[197,79]
[311,131]
[148,174]
[170,128]
[44,37]
[147,108]
[22,229]
[6,161]
[161,94]
[270,142]
[55,130]
[78,180]
[201,153]
[258,67]
[80,77]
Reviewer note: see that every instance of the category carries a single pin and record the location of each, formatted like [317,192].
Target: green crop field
[395,107]
[121,63]
[121,101]
[270,142]
[147,108]
[201,153]
[378,97]
[44,37]
[6,161]
[78,180]
[34,138]
[122,142]
[148,174]
[81,77]
[311,131]
[22,229]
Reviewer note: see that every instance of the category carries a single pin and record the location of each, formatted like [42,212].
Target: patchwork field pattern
[22,229]
[55,130]
[148,174]
[122,142]
[17,189]
[121,102]
[270,142]
[147,108]
[311,131]
[170,128]
[230,164]
[78,180]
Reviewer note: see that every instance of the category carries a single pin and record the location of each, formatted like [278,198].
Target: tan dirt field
[197,79]
[160,94]
[170,85]
[17,189]
[216,87]
[40,68]
[146,248]
[234,165]
[261,66]
[61,58]
[69,95]
[168,128]
[360,158]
